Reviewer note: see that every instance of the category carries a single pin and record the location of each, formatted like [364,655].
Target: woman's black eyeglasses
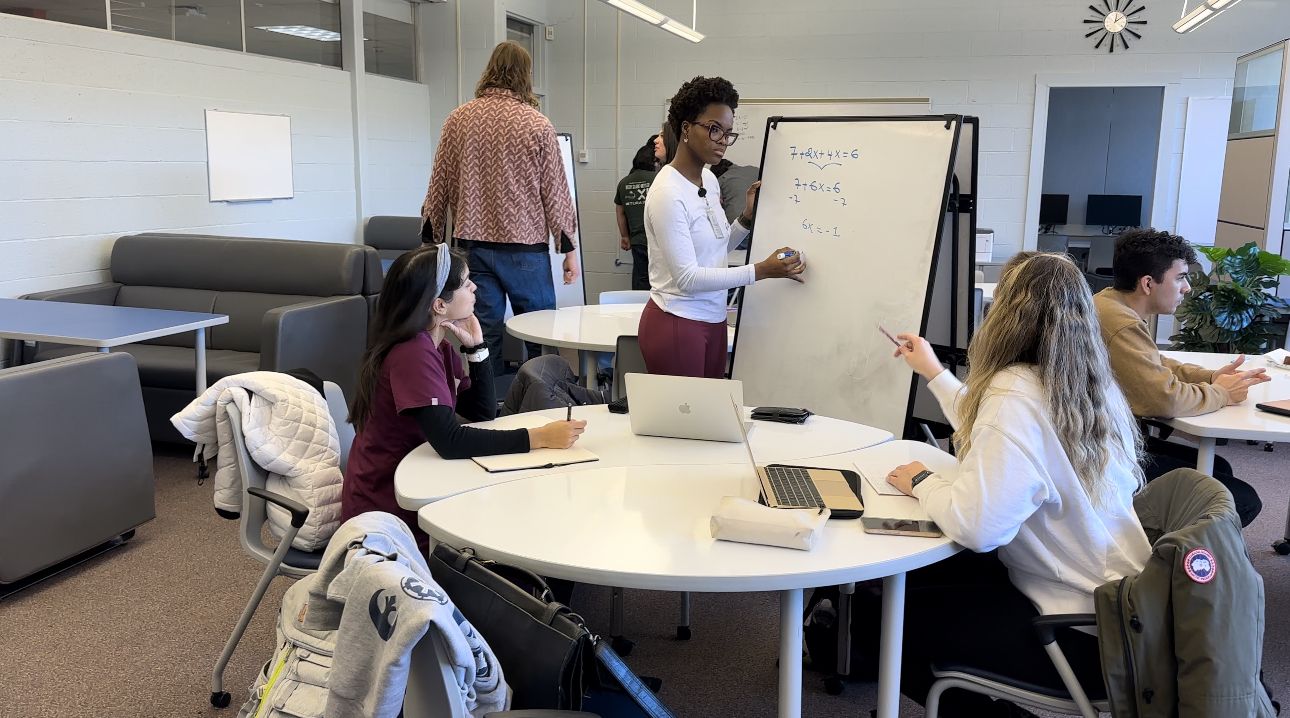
[718,134]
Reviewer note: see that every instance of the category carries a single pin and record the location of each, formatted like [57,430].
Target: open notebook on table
[535,459]
[874,463]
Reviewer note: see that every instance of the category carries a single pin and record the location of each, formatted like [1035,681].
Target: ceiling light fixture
[658,19]
[1202,14]
[306,31]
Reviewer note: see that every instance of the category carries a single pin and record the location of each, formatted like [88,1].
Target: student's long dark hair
[645,159]
[402,311]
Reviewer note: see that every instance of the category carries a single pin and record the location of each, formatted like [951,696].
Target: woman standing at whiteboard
[683,328]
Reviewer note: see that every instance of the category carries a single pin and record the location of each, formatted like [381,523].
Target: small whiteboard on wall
[248,156]
[864,199]
[569,295]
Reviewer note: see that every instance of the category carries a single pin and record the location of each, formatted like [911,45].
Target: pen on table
[568,416]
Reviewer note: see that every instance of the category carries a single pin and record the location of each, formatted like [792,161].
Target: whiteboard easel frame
[950,120]
[573,182]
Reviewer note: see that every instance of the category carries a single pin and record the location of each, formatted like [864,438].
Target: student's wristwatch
[477,353]
[918,478]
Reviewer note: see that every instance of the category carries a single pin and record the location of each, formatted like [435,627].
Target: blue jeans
[523,277]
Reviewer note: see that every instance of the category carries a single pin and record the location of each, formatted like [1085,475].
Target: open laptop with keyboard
[784,487]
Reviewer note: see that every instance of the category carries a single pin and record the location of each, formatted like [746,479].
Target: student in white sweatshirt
[1048,469]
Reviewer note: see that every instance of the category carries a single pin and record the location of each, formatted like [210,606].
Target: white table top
[593,327]
[94,325]
[423,477]
[648,527]
[1239,421]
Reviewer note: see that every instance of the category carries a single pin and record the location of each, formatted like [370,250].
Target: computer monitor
[1053,208]
[1114,210]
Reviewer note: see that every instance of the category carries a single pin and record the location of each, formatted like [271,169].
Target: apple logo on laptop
[684,408]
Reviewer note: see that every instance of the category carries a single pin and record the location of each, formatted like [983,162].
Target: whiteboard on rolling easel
[863,198]
[751,115]
[569,295]
[248,156]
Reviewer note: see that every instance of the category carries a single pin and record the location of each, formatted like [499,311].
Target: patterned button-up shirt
[498,167]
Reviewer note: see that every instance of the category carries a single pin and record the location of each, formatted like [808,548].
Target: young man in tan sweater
[1150,269]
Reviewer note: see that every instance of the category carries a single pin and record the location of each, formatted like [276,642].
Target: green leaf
[1273,264]
[1213,254]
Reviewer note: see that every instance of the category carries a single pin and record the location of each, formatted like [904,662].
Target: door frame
[1168,162]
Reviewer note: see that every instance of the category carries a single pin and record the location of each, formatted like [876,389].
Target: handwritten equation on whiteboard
[817,183]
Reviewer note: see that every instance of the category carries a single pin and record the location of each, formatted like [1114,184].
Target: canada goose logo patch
[1200,565]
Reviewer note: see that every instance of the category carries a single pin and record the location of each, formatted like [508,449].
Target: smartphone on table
[900,527]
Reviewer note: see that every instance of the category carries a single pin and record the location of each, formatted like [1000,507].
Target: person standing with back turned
[683,328]
[498,168]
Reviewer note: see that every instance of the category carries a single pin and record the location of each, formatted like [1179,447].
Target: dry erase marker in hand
[887,334]
[786,255]
[568,415]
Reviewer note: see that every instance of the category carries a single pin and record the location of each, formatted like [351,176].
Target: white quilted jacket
[288,432]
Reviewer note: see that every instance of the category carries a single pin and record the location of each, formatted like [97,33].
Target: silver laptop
[790,487]
[684,407]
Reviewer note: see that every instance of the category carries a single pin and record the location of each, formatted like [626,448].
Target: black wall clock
[1113,23]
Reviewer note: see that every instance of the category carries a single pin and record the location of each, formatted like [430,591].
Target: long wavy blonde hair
[1043,316]
[509,68]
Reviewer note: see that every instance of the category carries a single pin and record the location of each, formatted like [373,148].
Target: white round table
[648,527]
[589,328]
[423,477]
[1238,421]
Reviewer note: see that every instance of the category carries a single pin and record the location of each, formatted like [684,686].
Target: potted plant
[1234,307]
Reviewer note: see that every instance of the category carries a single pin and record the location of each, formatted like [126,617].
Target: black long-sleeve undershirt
[451,440]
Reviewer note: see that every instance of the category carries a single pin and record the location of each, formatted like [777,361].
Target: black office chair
[1069,697]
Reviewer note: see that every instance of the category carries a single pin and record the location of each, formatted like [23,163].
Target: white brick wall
[103,134]
[973,57]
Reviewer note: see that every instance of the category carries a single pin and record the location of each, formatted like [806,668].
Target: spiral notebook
[536,459]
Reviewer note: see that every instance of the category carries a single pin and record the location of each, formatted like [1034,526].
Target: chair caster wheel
[221,699]
[621,646]
[683,633]
[1282,547]
[833,685]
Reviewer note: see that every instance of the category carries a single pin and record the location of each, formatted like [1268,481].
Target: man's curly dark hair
[1142,252]
[694,97]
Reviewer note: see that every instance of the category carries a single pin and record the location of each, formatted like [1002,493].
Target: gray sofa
[77,468]
[291,304]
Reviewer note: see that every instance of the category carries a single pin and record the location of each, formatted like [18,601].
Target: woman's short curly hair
[694,97]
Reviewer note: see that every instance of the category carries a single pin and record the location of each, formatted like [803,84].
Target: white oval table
[423,477]
[648,527]
[590,328]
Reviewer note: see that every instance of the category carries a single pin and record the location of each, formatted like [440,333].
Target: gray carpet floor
[135,632]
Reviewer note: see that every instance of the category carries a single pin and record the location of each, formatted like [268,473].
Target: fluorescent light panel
[306,31]
[1202,14]
[644,12]
[654,17]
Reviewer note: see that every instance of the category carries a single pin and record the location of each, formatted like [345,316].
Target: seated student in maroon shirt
[412,386]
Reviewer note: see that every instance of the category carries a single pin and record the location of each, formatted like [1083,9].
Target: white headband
[443,266]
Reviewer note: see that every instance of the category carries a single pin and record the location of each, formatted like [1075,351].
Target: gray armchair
[392,236]
[77,468]
[291,304]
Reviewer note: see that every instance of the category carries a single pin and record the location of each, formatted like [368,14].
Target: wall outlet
[550,32]
[584,156]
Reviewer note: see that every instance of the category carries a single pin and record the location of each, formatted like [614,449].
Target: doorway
[1101,150]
